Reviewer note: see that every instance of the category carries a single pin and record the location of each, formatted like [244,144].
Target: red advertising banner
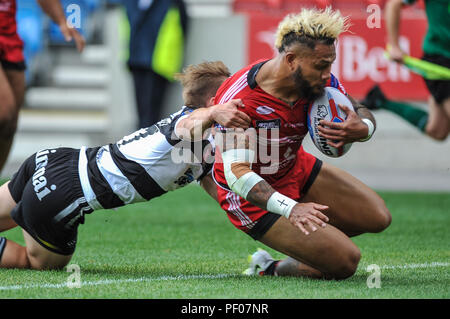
[360,60]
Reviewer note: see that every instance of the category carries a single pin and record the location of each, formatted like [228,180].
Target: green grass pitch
[182,245]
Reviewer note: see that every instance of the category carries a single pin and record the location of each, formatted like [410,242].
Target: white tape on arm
[246,182]
[280,204]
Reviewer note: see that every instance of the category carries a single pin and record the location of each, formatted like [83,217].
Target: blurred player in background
[12,66]
[288,208]
[54,188]
[436,47]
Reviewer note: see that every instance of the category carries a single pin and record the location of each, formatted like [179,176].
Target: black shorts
[439,89]
[15,66]
[50,200]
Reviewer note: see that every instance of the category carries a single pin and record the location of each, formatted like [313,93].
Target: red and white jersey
[280,127]
[8,17]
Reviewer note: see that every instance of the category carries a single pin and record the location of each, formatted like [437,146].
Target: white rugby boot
[259,262]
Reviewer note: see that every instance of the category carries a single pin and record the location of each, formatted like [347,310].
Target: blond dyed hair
[311,24]
[201,81]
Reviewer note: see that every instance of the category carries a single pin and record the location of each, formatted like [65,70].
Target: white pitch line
[118,281]
[187,277]
[413,266]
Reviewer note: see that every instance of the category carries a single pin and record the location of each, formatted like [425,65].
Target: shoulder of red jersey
[334,82]
[236,84]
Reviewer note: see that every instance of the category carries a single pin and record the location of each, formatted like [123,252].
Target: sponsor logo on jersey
[264,110]
[268,124]
[38,179]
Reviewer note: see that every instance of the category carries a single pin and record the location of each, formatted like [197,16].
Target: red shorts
[11,52]
[256,221]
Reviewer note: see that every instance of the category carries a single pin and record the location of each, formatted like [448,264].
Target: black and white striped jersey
[143,165]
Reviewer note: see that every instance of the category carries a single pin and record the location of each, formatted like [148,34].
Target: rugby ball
[326,108]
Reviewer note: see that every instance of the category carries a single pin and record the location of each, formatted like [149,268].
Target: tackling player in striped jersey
[54,188]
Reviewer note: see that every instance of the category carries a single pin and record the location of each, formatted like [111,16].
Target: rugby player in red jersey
[288,199]
[12,66]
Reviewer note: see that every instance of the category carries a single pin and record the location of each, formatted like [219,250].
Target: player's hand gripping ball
[326,108]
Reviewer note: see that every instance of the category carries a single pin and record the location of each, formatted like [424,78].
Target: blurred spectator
[156,44]
[12,65]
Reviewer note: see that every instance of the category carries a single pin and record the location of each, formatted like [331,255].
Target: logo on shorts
[39,180]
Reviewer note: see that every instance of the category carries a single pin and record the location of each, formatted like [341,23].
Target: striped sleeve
[183,113]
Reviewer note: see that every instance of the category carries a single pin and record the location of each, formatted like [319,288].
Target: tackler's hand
[228,115]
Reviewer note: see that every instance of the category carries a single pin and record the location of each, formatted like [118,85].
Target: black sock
[270,271]
[2,246]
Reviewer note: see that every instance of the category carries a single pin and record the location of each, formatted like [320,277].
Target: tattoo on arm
[260,194]
[238,139]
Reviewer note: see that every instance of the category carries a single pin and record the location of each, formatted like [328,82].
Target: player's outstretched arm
[237,158]
[358,127]
[195,124]
[55,11]
[392,14]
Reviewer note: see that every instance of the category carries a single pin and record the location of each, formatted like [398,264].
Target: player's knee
[438,130]
[438,134]
[381,217]
[384,219]
[348,265]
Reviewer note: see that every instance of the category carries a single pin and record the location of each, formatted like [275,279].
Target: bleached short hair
[309,26]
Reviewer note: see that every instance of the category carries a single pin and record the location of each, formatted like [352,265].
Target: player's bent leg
[354,208]
[326,253]
[32,256]
[438,125]
[41,258]
[13,255]
[12,88]
[16,79]
[7,203]
[7,98]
